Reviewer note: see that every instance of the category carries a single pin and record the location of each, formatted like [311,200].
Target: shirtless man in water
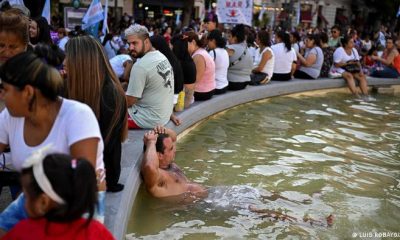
[162,177]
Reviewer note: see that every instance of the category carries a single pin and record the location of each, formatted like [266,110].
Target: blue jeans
[14,213]
[386,72]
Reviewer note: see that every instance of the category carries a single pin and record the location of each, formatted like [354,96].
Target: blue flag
[46,11]
[93,15]
[105,24]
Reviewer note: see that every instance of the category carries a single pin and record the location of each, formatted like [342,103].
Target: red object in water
[329,220]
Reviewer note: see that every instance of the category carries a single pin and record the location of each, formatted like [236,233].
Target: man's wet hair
[159,143]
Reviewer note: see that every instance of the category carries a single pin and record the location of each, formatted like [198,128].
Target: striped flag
[298,13]
[16,2]
[105,24]
[46,11]
[93,15]
[261,14]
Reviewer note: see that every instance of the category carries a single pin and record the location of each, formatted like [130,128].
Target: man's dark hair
[160,142]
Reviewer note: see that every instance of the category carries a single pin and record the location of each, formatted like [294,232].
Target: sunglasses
[333,31]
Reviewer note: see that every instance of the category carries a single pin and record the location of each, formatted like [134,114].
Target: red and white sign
[235,11]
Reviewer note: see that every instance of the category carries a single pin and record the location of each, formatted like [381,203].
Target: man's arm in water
[150,166]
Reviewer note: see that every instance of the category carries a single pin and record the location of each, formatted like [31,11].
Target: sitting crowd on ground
[78,95]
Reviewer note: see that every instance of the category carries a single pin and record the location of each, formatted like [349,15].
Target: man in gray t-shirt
[151,83]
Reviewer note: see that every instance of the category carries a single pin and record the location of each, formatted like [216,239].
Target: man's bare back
[162,177]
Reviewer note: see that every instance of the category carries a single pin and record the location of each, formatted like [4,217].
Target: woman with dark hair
[347,63]
[160,44]
[285,57]
[59,189]
[53,55]
[108,47]
[205,68]
[295,41]
[387,62]
[251,42]
[180,50]
[240,60]
[311,63]
[14,35]
[328,55]
[35,116]
[216,44]
[39,31]
[264,60]
[14,39]
[167,35]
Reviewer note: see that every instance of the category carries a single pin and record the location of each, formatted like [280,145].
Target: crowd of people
[71,99]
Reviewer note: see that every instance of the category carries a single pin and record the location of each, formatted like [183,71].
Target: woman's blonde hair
[88,69]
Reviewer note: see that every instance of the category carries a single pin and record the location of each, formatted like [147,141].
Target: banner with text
[235,11]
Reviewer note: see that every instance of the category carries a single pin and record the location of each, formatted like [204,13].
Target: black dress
[113,147]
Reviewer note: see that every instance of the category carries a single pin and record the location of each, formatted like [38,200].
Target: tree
[187,12]
[389,7]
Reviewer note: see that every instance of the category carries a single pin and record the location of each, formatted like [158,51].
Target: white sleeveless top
[269,66]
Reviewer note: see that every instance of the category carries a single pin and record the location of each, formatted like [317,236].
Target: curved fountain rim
[119,205]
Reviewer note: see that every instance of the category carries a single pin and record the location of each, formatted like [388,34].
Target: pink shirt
[207,83]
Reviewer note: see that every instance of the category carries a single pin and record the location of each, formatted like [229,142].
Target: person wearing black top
[180,49]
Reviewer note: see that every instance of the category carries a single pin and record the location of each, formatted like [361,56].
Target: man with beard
[151,82]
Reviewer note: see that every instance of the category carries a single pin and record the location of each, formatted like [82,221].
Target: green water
[302,156]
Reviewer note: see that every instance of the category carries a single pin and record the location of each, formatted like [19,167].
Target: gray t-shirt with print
[152,82]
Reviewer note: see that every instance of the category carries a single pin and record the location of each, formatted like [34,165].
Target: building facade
[321,13]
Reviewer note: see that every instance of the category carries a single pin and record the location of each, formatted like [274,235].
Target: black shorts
[234,86]
[302,75]
[200,96]
[281,77]
[221,91]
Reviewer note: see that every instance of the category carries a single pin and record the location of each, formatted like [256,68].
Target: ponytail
[285,37]
[74,180]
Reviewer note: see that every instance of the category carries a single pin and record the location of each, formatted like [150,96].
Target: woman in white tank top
[264,60]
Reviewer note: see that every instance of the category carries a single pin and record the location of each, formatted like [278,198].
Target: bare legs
[350,79]
[189,91]
[363,82]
